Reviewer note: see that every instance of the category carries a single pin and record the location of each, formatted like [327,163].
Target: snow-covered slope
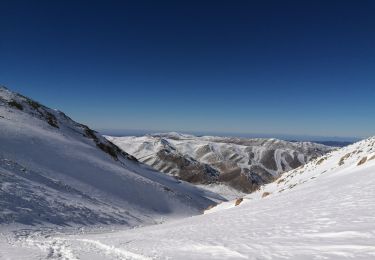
[54,170]
[323,210]
[358,157]
[243,164]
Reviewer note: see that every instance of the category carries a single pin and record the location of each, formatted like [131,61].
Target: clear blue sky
[270,67]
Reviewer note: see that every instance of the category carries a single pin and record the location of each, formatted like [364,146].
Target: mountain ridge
[323,210]
[55,170]
[241,163]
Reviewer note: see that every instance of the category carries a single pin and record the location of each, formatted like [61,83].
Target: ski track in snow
[110,250]
[54,247]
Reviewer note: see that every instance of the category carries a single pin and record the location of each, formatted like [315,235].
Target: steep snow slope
[54,170]
[323,210]
[243,164]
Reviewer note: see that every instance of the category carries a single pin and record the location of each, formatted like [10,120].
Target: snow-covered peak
[173,135]
[243,164]
[55,170]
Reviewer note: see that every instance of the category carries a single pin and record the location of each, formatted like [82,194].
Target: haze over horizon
[276,68]
[287,137]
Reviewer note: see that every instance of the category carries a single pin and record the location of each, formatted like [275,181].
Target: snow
[322,210]
[222,148]
[257,160]
[225,191]
[58,175]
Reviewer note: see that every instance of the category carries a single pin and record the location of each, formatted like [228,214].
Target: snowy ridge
[54,170]
[353,158]
[243,164]
[323,210]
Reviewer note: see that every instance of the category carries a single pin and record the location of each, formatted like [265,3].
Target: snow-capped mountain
[322,210]
[356,160]
[55,170]
[244,164]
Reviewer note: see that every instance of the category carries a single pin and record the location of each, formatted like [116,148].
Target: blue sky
[265,67]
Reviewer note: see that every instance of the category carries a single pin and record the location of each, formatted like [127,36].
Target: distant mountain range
[331,140]
[240,163]
[334,143]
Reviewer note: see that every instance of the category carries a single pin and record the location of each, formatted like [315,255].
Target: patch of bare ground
[265,194]
[238,201]
[342,160]
[362,161]
[320,161]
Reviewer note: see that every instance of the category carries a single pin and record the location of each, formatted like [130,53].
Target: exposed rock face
[189,169]
[241,163]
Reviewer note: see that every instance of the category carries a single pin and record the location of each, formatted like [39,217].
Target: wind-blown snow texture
[243,164]
[54,170]
[323,210]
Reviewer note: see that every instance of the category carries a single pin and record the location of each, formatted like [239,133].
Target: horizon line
[297,137]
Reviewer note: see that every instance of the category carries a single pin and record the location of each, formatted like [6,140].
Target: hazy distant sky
[291,67]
